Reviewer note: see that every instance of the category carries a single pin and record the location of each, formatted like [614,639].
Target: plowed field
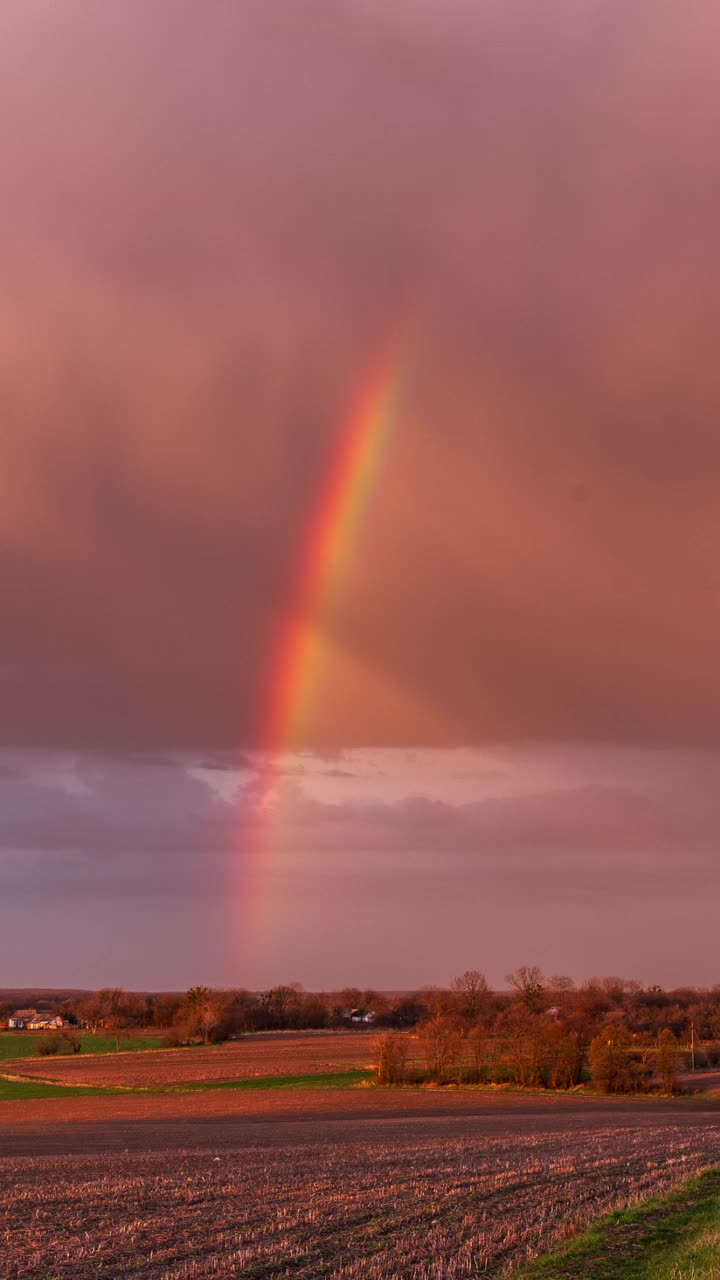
[411,1207]
[258,1056]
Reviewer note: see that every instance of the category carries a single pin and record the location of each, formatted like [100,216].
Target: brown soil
[402,1197]
[286,1055]
[227,1118]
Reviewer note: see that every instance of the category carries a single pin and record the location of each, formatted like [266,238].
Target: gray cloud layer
[137,871]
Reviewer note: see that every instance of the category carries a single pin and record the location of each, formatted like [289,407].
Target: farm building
[46,1022]
[21,1018]
[32,1020]
[362,1015]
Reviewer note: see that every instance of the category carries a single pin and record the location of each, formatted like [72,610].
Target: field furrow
[421,1209]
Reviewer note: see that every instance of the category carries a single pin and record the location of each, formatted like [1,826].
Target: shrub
[60,1042]
[390,1058]
[608,1063]
[47,1045]
[615,1066]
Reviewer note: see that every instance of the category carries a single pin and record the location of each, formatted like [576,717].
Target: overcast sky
[213,215]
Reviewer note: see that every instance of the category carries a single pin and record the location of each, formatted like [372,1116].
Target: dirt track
[223,1120]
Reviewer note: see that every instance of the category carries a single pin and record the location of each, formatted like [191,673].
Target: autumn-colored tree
[405,1011]
[166,1011]
[615,1064]
[438,1001]
[604,1066]
[204,1013]
[442,1044]
[104,1010]
[563,1057]
[391,1051]
[476,1061]
[523,1034]
[668,1058]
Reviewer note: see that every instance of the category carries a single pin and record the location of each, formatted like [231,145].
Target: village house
[362,1015]
[32,1020]
[46,1022]
[21,1018]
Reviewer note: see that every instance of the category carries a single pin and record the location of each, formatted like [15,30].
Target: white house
[362,1015]
[31,1020]
[21,1018]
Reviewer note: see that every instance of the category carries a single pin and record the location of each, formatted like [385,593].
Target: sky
[213,217]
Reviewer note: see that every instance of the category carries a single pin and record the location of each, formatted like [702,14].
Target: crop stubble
[413,1209]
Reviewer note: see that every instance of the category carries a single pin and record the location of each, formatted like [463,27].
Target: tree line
[549,1033]
[538,1031]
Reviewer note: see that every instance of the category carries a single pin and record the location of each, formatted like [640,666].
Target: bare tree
[283,1004]
[166,1011]
[560,989]
[106,1009]
[471,992]
[437,1001]
[528,983]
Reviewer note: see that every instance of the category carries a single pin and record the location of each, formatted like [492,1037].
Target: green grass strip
[668,1239]
[15,1090]
[23,1044]
[331,1080]
[18,1089]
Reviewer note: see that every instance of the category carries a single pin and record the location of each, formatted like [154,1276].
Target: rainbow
[326,549]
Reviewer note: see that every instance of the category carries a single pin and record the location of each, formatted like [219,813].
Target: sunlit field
[20,1044]
[414,1209]
[254,1057]
[359,635]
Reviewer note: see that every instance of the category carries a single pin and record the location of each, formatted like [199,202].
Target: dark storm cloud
[110,809]
[211,220]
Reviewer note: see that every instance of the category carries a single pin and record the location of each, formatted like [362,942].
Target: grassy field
[673,1239]
[21,1044]
[18,1090]
[330,1080]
